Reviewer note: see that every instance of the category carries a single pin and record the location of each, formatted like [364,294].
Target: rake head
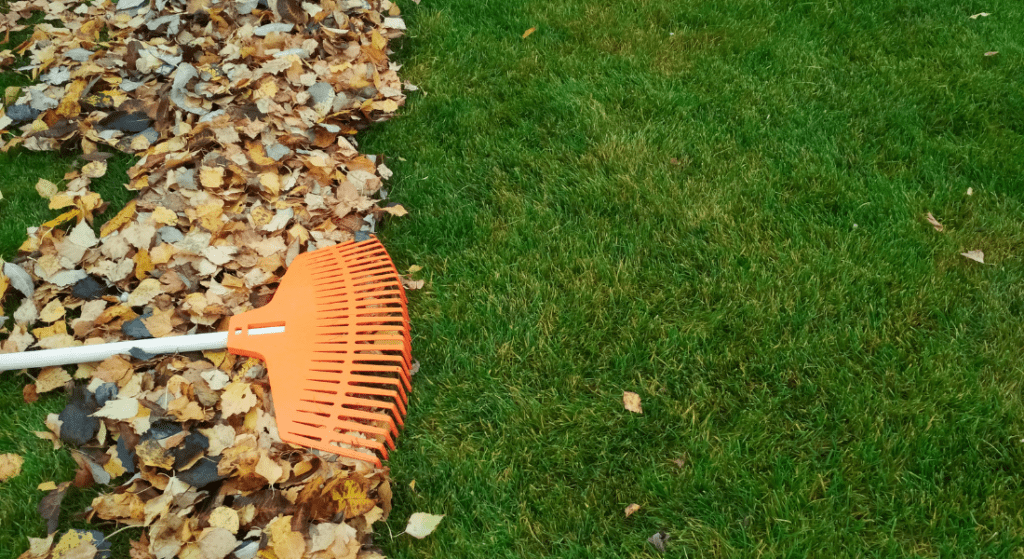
[340,370]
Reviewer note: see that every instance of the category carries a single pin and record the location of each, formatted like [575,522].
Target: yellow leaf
[143,264]
[285,543]
[388,105]
[95,169]
[271,181]
[260,216]
[63,218]
[211,177]
[52,311]
[237,398]
[114,467]
[529,32]
[259,156]
[69,106]
[377,40]
[52,330]
[89,202]
[225,517]
[124,216]
[144,293]
[352,499]
[164,216]
[61,200]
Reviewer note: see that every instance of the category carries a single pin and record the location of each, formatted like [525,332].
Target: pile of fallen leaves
[242,114]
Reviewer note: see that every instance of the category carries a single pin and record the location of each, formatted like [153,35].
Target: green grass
[839,380]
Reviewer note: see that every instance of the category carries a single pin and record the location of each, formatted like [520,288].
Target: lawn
[721,207]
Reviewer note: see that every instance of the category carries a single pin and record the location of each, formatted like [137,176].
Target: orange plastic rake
[335,339]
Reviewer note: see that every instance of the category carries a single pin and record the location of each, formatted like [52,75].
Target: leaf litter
[243,116]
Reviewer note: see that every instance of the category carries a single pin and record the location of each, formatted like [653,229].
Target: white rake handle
[99,352]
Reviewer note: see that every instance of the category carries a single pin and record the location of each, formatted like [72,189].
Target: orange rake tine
[337,345]
[346,343]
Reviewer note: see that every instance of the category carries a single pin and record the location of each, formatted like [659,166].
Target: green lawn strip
[839,380]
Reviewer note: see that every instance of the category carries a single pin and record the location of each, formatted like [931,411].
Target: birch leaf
[422,524]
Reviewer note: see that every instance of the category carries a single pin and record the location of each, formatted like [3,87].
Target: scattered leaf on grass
[29,394]
[976,255]
[529,32]
[935,223]
[46,189]
[10,466]
[982,14]
[413,284]
[49,507]
[422,524]
[970,191]
[631,509]
[631,400]
[992,53]
[658,541]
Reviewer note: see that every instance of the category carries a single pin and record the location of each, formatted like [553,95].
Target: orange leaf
[529,32]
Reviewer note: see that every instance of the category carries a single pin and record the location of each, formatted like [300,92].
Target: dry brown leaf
[51,378]
[935,223]
[529,32]
[631,509]
[113,369]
